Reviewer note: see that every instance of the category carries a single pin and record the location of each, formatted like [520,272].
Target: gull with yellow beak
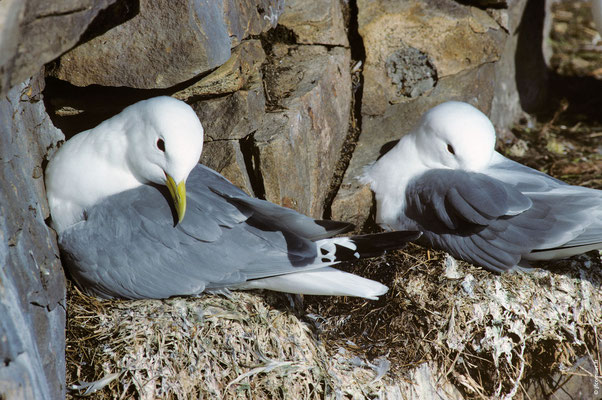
[121,238]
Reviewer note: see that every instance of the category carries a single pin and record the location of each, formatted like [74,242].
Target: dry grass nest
[490,335]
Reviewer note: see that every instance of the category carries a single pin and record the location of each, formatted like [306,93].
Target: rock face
[315,22]
[299,146]
[418,54]
[32,283]
[168,43]
[30,32]
[282,153]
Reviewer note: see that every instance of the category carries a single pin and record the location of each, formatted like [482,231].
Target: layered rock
[167,43]
[32,282]
[33,33]
[315,22]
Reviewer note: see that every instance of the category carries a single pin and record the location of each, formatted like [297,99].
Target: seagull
[138,217]
[446,180]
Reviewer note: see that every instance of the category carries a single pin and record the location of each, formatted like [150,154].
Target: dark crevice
[93,104]
[279,34]
[358,54]
[250,154]
[62,13]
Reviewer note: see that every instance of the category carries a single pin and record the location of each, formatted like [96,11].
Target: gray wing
[489,222]
[579,208]
[129,247]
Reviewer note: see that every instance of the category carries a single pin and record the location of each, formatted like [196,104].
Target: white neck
[84,171]
[388,178]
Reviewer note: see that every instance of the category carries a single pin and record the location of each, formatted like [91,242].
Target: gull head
[165,140]
[158,140]
[455,135]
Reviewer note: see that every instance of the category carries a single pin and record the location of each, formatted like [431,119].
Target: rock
[315,22]
[405,41]
[35,32]
[32,282]
[229,122]
[250,17]
[379,133]
[168,43]
[300,140]
[506,105]
[241,70]
[227,158]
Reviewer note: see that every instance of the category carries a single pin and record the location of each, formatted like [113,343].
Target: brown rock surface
[415,43]
[229,122]
[241,70]
[300,140]
[315,22]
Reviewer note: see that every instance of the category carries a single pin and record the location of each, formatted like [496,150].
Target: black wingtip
[376,244]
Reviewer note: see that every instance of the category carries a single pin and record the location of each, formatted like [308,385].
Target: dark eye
[450,148]
[161,144]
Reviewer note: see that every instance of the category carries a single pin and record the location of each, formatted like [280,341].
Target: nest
[238,346]
[442,322]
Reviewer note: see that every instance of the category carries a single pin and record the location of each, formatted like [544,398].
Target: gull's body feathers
[490,211]
[227,240]
[119,232]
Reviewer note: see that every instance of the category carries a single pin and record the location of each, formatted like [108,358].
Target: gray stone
[411,71]
[32,283]
[33,33]
[315,22]
[166,43]
[301,138]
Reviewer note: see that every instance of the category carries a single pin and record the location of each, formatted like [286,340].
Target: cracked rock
[27,27]
[315,22]
[300,141]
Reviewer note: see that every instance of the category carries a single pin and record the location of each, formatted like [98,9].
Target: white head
[157,140]
[165,137]
[455,135]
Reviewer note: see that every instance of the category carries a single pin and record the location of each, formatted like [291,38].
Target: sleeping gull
[445,179]
[121,238]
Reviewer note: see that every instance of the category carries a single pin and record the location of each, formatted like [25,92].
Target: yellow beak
[178,194]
